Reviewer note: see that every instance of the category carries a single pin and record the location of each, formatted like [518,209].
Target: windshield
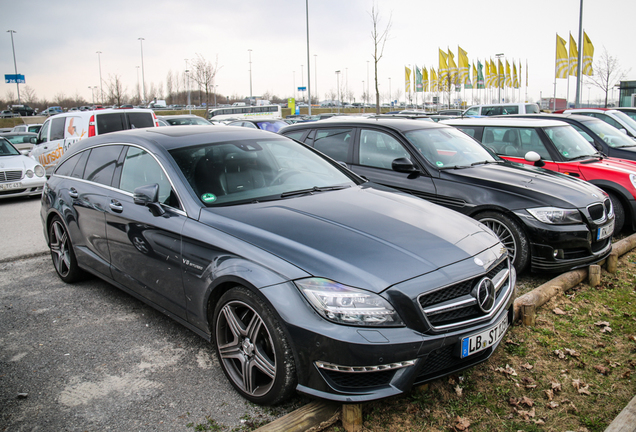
[631,114]
[271,126]
[570,143]
[255,170]
[626,119]
[188,121]
[6,149]
[608,133]
[448,147]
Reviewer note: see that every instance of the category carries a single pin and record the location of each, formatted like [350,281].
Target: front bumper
[356,364]
[560,248]
[23,187]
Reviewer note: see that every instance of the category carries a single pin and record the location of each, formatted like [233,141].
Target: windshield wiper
[312,190]
[485,162]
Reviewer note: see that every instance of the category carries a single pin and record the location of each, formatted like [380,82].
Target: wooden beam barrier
[594,277]
[314,416]
[352,417]
[626,420]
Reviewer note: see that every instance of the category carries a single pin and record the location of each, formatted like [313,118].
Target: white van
[59,132]
[501,109]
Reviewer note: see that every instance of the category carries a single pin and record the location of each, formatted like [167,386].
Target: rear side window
[532,109]
[140,120]
[101,164]
[110,123]
[57,128]
[78,171]
[66,168]
[295,135]
[335,143]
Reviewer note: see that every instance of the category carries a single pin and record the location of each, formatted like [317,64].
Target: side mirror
[403,165]
[33,140]
[148,196]
[535,157]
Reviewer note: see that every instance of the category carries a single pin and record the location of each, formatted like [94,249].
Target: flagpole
[556,56]
[567,93]
[580,58]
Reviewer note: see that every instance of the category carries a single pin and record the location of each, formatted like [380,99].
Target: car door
[50,147]
[373,157]
[145,250]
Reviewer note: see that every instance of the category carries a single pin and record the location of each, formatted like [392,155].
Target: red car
[557,146]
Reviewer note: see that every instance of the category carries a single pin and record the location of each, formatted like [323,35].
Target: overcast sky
[56,42]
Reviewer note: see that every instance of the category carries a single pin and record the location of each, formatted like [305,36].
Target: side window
[378,149]
[141,169]
[472,111]
[514,142]
[296,135]
[532,109]
[140,120]
[611,121]
[470,131]
[78,171]
[335,143]
[44,132]
[66,167]
[585,134]
[110,123]
[101,164]
[510,109]
[490,110]
[57,128]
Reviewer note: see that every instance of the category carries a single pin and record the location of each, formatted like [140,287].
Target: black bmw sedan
[305,276]
[548,221]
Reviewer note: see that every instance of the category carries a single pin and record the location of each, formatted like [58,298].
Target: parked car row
[349,258]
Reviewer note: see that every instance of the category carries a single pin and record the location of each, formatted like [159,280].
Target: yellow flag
[588,56]
[434,86]
[508,75]
[562,58]
[463,65]
[515,77]
[574,56]
[443,65]
[408,79]
[452,67]
[425,79]
[501,75]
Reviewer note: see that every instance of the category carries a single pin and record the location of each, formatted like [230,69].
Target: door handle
[116,206]
[73,193]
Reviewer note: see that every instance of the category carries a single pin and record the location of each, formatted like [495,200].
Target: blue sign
[14,78]
[302,88]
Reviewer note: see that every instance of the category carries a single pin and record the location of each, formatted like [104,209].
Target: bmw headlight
[39,170]
[29,173]
[345,305]
[556,216]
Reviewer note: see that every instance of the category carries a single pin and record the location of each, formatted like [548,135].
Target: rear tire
[252,348]
[511,235]
[619,213]
[62,252]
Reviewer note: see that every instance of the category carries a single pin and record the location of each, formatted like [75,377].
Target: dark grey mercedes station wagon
[305,276]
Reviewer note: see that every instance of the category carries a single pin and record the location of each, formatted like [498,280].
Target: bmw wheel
[511,235]
[253,349]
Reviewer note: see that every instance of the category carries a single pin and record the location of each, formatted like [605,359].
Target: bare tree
[169,84]
[379,41]
[28,95]
[116,90]
[607,73]
[203,73]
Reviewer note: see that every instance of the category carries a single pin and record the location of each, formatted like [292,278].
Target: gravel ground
[89,357]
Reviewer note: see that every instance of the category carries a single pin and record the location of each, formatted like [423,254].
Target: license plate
[7,186]
[480,341]
[605,231]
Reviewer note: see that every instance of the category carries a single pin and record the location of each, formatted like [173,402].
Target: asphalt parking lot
[89,357]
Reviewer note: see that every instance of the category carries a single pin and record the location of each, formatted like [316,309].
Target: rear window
[532,109]
[140,120]
[110,123]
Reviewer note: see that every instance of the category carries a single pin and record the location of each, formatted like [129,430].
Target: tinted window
[335,143]
[379,150]
[110,123]
[57,128]
[78,171]
[66,168]
[141,120]
[295,135]
[141,169]
[101,164]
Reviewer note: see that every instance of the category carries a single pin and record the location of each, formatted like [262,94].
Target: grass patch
[573,371]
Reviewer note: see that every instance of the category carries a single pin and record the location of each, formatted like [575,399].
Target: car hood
[361,236]
[527,186]
[17,162]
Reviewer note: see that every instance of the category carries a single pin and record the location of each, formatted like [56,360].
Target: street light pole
[390,98]
[143,75]
[302,82]
[338,87]
[316,77]
[308,58]
[15,65]
[101,88]
[250,54]
[138,88]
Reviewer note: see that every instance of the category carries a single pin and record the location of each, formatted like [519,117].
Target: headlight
[556,216]
[345,305]
[632,178]
[39,171]
[29,173]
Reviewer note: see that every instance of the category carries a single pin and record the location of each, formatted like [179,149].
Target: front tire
[511,235]
[619,213]
[253,349]
[62,253]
